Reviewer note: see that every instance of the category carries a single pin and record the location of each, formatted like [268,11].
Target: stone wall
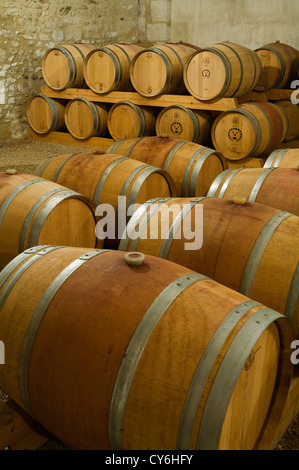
[30,27]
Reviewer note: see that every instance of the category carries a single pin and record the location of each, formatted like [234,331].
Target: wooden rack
[163,101]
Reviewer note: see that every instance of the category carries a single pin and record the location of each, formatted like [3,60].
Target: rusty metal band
[134,352]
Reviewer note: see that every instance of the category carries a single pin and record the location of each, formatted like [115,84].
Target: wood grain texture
[159,69]
[276,188]
[192,166]
[283,158]
[127,120]
[184,123]
[62,66]
[85,119]
[255,129]
[226,251]
[45,114]
[42,212]
[222,70]
[77,352]
[107,68]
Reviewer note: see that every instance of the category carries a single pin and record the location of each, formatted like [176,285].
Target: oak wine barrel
[127,120]
[193,167]
[104,178]
[274,187]
[292,112]
[184,123]
[283,158]
[248,247]
[35,211]
[279,66]
[85,119]
[62,66]
[253,129]
[45,114]
[222,70]
[101,346]
[107,68]
[159,69]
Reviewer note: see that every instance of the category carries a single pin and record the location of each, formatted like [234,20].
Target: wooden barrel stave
[184,123]
[254,129]
[222,70]
[127,120]
[45,114]
[280,66]
[274,187]
[247,263]
[36,211]
[85,119]
[51,384]
[62,66]
[159,69]
[283,158]
[191,166]
[107,68]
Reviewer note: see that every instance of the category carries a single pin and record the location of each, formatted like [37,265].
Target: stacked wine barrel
[246,135]
[149,295]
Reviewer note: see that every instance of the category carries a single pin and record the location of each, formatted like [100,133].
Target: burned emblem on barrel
[235,134]
[206,73]
[176,128]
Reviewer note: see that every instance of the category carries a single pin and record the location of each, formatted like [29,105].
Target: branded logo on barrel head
[235,134]
[206,73]
[176,128]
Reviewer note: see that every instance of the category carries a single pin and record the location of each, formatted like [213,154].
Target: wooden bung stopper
[134,258]
[239,200]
